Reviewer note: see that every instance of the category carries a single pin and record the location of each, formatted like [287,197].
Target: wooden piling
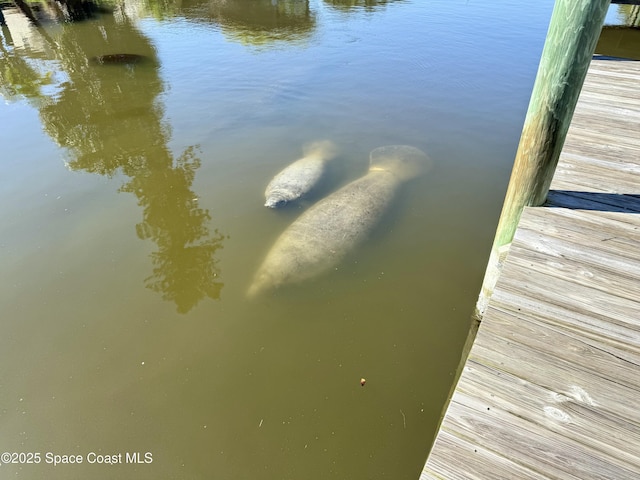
[573,33]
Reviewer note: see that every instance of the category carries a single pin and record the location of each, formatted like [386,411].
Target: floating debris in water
[362,382]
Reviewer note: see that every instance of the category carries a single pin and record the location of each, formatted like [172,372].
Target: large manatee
[319,239]
[301,176]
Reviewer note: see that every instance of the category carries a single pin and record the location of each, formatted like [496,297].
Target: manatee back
[404,161]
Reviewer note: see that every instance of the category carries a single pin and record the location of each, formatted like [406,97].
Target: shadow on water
[106,114]
[620,42]
[621,38]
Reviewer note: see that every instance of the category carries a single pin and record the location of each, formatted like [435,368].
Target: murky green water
[132,223]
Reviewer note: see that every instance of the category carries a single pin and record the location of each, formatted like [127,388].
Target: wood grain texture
[551,385]
[602,149]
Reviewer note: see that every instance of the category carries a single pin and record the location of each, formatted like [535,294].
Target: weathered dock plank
[482,464]
[602,149]
[550,387]
[552,380]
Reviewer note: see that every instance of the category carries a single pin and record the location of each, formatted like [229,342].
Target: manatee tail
[324,149]
[403,161]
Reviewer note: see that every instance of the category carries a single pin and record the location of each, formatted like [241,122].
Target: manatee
[320,238]
[301,176]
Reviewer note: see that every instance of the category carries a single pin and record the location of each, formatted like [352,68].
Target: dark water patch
[120,59]
[619,41]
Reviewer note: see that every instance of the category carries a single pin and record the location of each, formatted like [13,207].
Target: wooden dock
[551,386]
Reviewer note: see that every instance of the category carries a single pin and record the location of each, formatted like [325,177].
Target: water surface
[132,222]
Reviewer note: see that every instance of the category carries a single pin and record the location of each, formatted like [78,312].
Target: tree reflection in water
[109,119]
[259,22]
[185,269]
[352,4]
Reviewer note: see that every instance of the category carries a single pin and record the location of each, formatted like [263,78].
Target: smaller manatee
[301,176]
